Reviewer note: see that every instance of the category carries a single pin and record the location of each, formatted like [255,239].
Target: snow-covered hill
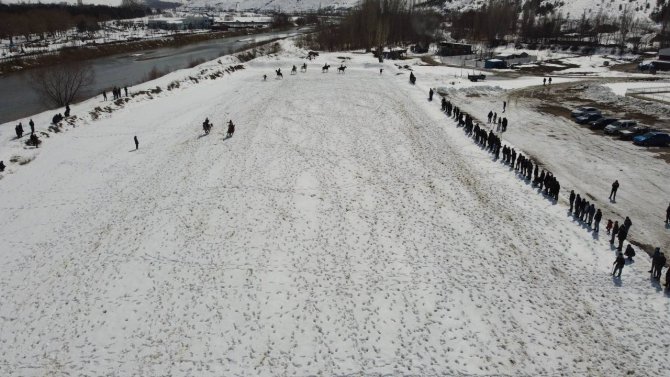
[570,8]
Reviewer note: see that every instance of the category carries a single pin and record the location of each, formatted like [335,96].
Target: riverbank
[72,54]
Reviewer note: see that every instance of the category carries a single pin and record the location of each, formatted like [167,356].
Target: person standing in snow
[137,143]
[627,223]
[572,199]
[615,231]
[592,212]
[19,130]
[544,81]
[654,261]
[67,110]
[550,81]
[231,128]
[659,266]
[615,187]
[2,166]
[495,117]
[32,129]
[667,215]
[125,89]
[609,226]
[504,106]
[618,265]
[430,94]
[623,234]
[597,218]
[104,95]
[490,115]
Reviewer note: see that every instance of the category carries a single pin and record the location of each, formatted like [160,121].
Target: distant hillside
[283,5]
[569,8]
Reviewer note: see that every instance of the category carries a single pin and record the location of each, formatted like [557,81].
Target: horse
[294,70]
[304,67]
[279,74]
[206,126]
[324,69]
[341,69]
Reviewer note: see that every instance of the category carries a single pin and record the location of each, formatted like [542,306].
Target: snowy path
[346,229]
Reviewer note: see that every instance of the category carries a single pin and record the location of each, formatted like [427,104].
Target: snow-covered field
[348,228]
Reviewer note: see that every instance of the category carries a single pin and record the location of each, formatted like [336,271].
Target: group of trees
[39,20]
[378,23]
[536,22]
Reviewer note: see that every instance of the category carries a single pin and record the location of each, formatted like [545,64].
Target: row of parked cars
[624,128]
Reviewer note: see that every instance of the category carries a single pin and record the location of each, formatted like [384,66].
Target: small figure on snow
[629,253]
[618,265]
[615,187]
[231,128]
[32,129]
[609,226]
[430,94]
[19,130]
[137,143]
[2,166]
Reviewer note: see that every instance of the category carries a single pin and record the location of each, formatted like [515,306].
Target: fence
[658,94]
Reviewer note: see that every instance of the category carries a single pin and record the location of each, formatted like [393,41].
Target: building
[664,54]
[513,59]
[494,63]
[454,49]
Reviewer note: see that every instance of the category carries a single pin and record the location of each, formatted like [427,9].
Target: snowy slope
[569,8]
[348,228]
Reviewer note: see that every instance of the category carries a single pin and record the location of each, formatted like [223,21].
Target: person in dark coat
[490,116]
[615,187]
[430,94]
[67,110]
[667,279]
[444,104]
[615,231]
[2,166]
[659,266]
[667,215]
[597,218]
[19,130]
[137,143]
[623,234]
[504,106]
[618,265]
[125,89]
[627,223]
[654,261]
[32,129]
[231,128]
[630,252]
[104,95]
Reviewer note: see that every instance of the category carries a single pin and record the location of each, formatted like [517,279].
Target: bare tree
[627,22]
[59,85]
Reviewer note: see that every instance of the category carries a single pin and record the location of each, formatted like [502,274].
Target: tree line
[39,20]
[378,23]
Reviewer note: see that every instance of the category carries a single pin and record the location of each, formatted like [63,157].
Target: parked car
[602,123]
[652,139]
[635,131]
[620,125]
[584,110]
[588,117]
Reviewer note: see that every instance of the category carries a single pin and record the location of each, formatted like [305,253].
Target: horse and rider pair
[207,126]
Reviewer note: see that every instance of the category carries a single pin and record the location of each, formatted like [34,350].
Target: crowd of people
[581,209]
[116,93]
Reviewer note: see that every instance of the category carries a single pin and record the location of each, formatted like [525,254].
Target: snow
[348,228]
[620,88]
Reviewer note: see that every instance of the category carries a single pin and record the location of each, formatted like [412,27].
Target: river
[18,99]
